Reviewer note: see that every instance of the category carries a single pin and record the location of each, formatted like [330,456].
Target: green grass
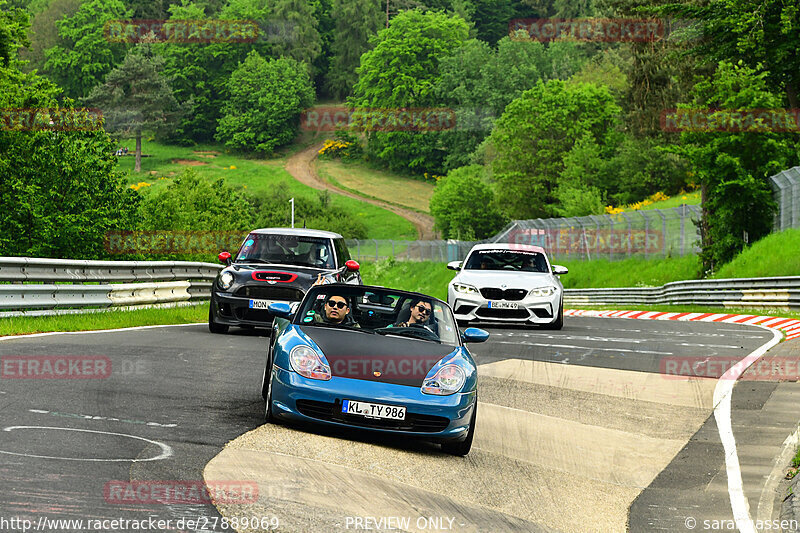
[689,198]
[777,254]
[104,320]
[633,272]
[377,184]
[166,162]
[423,276]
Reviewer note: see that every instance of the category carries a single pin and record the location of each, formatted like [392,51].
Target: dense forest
[540,126]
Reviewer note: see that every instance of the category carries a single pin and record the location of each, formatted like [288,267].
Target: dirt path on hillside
[303,167]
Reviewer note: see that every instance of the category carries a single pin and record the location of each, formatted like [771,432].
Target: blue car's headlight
[308,363]
[445,381]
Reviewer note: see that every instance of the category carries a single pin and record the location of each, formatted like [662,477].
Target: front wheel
[559,322]
[462,448]
[213,327]
[266,391]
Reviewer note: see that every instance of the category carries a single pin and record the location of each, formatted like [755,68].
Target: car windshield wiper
[251,260]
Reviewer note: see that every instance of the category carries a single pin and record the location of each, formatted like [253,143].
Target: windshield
[287,250]
[519,260]
[380,311]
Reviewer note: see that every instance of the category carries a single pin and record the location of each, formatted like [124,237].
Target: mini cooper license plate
[503,305]
[260,304]
[373,410]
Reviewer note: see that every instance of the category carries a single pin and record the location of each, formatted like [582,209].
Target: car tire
[462,448]
[213,327]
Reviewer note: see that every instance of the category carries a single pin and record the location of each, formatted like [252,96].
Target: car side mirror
[352,266]
[455,265]
[474,335]
[280,310]
[225,258]
[558,269]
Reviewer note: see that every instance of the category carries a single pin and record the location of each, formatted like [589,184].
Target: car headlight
[465,289]
[445,381]
[308,363]
[543,291]
[225,281]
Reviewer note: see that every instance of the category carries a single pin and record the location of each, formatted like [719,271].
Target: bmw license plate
[373,410]
[260,304]
[503,305]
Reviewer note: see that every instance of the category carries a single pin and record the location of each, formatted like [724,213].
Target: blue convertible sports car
[374,358]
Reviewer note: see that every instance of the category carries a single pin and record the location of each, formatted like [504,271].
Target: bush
[463,205]
[266,99]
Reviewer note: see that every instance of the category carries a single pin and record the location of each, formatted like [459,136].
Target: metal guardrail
[47,286]
[779,293]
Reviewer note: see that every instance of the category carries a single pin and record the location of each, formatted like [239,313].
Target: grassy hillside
[775,255]
[378,184]
[211,161]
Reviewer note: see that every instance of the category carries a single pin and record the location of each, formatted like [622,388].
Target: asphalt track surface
[578,430]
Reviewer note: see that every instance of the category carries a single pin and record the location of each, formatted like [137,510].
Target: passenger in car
[336,312]
[420,315]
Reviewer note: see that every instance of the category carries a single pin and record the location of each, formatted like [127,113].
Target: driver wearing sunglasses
[337,312]
[420,314]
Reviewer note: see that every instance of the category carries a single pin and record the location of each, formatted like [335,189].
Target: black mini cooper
[275,265]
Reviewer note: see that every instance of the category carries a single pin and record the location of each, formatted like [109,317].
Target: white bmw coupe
[507,283]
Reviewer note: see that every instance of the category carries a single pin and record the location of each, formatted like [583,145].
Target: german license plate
[503,305]
[260,304]
[373,410]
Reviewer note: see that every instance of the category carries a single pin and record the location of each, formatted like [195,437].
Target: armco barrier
[50,285]
[771,293]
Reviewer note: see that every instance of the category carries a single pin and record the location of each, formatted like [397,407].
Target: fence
[786,186]
[642,233]
[773,293]
[45,286]
[438,251]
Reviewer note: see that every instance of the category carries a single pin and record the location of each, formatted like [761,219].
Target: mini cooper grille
[270,292]
[253,315]
[514,295]
[274,276]
[486,312]
[332,412]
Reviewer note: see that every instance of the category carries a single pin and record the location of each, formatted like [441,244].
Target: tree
[526,149]
[135,97]
[59,192]
[297,37]
[463,205]
[356,22]
[402,71]
[87,55]
[44,33]
[733,166]
[266,99]
[763,34]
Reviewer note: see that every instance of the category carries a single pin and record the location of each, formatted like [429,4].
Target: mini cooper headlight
[447,380]
[225,281]
[465,289]
[543,291]
[308,363]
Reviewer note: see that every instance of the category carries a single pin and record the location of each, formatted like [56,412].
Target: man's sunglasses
[340,305]
[422,309]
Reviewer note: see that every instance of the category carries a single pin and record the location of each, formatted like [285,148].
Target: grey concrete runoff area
[587,429]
